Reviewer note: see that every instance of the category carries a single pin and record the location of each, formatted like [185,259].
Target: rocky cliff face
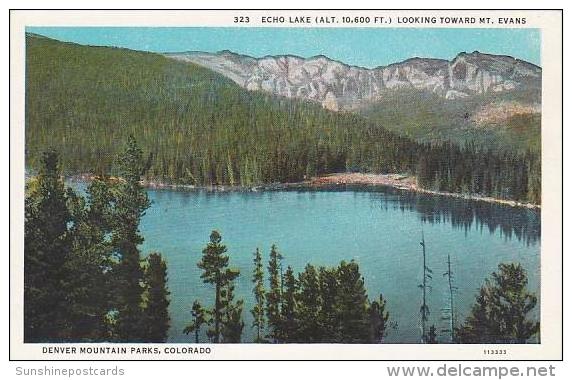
[338,86]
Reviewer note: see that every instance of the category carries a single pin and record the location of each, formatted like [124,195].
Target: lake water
[378,228]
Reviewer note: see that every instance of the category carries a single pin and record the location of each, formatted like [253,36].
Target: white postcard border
[550,348]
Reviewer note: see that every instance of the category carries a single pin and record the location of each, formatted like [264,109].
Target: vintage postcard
[252,185]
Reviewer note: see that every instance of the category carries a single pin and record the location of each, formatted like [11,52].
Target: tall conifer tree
[289,318]
[232,324]
[352,304]
[214,264]
[199,315]
[310,305]
[259,297]
[47,248]
[131,202]
[90,265]
[329,313]
[157,319]
[379,318]
[274,295]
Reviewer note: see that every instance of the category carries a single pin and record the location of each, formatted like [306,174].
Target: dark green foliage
[474,170]
[379,318]
[289,318]
[90,265]
[198,127]
[83,277]
[500,312]
[259,296]
[66,260]
[47,249]
[328,288]
[157,305]
[131,201]
[226,315]
[199,319]
[309,305]
[232,324]
[478,327]
[329,305]
[274,295]
[352,304]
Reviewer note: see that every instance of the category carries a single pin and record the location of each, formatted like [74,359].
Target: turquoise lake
[378,228]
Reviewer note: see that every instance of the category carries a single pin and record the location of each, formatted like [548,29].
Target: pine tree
[309,305]
[83,278]
[89,266]
[47,248]
[329,313]
[379,318]
[478,326]
[131,201]
[214,264]
[259,297]
[157,319]
[352,304]
[289,312]
[500,314]
[274,295]
[199,319]
[232,324]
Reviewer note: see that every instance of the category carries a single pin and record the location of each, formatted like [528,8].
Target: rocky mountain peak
[338,86]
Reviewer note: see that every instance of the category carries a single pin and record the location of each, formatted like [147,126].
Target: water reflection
[512,222]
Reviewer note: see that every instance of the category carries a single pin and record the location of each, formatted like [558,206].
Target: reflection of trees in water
[522,223]
[512,222]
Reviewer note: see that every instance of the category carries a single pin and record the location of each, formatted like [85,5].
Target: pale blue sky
[368,47]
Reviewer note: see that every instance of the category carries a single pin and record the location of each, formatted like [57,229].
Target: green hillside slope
[200,128]
[427,117]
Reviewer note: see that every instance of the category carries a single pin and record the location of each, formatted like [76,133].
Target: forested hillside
[503,122]
[201,128]
[492,100]
[198,126]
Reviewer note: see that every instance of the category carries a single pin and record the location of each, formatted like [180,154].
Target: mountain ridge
[505,119]
[343,87]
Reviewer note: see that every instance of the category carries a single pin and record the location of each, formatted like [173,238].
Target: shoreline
[396,181]
[407,183]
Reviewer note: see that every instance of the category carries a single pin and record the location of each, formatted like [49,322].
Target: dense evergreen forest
[86,281]
[84,277]
[319,305]
[473,170]
[199,128]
